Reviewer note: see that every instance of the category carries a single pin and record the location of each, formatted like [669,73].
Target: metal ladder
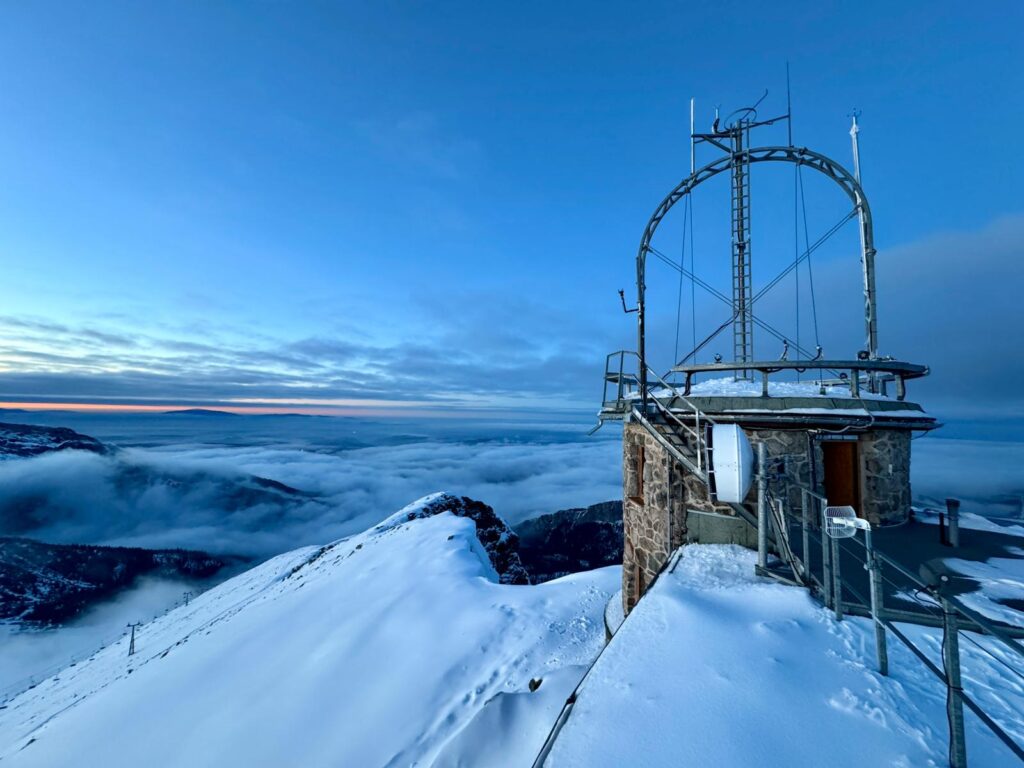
[743,321]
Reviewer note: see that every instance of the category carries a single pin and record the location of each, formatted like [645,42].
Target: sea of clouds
[187,495]
[180,488]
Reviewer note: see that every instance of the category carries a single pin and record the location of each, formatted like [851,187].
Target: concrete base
[713,528]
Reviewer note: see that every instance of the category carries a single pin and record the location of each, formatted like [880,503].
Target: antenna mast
[870,318]
[855,140]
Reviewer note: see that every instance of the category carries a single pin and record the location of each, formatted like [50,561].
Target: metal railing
[627,401]
[948,613]
[849,372]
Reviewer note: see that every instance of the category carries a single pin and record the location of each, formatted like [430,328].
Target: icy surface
[394,647]
[718,667]
[1001,578]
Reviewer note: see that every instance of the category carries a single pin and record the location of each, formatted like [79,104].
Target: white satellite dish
[732,461]
[842,522]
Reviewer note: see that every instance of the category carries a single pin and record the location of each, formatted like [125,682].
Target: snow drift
[394,647]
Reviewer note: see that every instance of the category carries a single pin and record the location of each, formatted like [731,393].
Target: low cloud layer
[197,498]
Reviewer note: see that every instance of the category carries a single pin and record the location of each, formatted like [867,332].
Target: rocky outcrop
[497,538]
[571,540]
[24,440]
[48,584]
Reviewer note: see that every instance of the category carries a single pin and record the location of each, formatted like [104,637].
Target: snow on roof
[393,647]
[718,667]
[728,387]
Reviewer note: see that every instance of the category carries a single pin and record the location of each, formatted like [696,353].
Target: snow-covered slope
[717,667]
[395,647]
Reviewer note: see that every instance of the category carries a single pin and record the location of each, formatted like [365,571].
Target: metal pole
[693,156]
[837,583]
[762,505]
[875,576]
[954,702]
[826,563]
[805,536]
[867,248]
[953,507]
[641,310]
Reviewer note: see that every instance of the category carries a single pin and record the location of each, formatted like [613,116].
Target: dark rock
[500,541]
[23,440]
[571,540]
[47,584]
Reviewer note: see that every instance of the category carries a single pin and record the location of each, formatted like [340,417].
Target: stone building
[853,452]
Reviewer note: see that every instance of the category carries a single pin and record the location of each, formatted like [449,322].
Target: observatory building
[727,451]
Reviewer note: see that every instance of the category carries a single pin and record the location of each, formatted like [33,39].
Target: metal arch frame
[783,154]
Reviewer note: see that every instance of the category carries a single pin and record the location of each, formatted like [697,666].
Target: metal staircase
[671,419]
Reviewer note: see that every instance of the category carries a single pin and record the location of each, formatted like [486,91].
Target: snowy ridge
[394,647]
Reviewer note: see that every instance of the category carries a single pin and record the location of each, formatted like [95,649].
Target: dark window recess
[637,496]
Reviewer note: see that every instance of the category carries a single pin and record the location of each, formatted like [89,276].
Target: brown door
[842,475]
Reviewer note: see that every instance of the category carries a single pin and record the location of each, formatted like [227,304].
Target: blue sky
[325,203]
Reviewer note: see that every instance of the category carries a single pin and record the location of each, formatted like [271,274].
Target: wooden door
[842,473]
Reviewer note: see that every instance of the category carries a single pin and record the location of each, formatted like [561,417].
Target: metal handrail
[894,369]
[956,618]
[694,431]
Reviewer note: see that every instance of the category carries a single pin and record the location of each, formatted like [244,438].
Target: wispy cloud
[471,349]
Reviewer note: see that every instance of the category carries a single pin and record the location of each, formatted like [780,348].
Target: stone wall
[885,476]
[659,494]
[653,510]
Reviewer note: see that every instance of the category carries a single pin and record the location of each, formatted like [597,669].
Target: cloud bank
[198,497]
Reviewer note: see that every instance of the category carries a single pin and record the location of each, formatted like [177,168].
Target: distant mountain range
[48,584]
[571,540]
[198,412]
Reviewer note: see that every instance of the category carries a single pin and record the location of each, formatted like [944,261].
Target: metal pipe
[954,703]
[953,508]
[805,535]
[826,562]
[837,582]
[875,576]
[762,505]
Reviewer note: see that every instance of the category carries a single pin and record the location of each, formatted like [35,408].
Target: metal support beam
[875,576]
[795,155]
[762,505]
[837,581]
[954,702]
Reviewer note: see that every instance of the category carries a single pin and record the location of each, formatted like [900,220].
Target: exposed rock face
[497,538]
[571,540]
[51,583]
[23,440]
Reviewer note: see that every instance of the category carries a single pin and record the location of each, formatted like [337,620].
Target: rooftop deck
[856,393]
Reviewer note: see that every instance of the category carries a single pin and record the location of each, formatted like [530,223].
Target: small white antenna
[842,522]
[854,138]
